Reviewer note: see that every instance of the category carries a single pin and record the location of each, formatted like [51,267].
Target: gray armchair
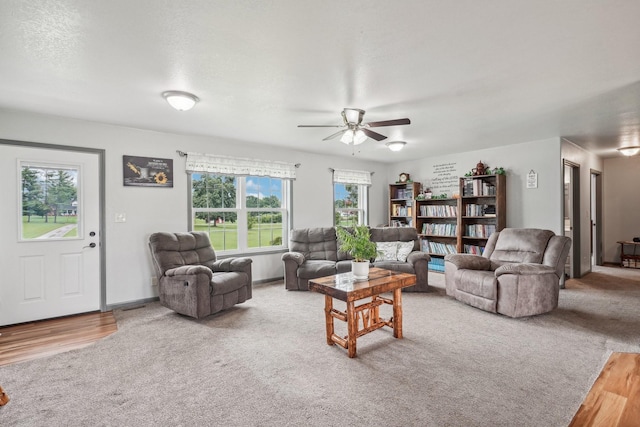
[191,280]
[517,275]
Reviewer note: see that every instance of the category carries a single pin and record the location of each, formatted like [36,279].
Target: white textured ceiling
[469,74]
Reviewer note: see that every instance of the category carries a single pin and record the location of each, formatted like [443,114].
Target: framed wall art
[147,171]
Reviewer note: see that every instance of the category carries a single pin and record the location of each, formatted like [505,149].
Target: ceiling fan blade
[373,135]
[395,122]
[335,135]
[320,126]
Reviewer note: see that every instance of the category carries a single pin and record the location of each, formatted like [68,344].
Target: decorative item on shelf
[499,171]
[441,196]
[480,169]
[357,243]
[404,177]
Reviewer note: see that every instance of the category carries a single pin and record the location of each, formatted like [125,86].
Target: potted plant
[357,243]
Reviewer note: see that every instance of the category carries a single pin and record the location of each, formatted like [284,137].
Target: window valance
[347,176]
[225,165]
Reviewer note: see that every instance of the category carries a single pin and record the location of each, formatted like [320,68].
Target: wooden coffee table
[345,288]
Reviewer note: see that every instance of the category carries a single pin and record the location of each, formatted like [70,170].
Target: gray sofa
[313,253]
[191,280]
[517,275]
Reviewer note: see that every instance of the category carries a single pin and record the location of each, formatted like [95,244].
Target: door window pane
[49,202]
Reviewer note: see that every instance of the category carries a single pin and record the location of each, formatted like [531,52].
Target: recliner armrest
[468,261]
[416,256]
[231,264]
[188,270]
[529,269]
[297,257]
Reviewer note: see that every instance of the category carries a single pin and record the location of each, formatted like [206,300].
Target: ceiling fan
[355,131]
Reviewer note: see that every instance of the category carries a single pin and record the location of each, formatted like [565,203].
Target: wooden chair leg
[4,398]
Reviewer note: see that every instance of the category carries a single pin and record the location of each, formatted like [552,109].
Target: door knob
[91,245]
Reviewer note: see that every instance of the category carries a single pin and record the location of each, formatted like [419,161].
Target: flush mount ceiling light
[396,145]
[630,151]
[181,101]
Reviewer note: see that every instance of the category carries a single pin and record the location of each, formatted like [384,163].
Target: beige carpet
[266,363]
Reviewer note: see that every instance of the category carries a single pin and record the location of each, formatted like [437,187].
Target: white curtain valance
[224,165]
[347,176]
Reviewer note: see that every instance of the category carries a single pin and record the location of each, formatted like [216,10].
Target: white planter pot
[360,270]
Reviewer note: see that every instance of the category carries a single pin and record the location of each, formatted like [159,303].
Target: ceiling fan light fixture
[630,151]
[353,115]
[359,137]
[347,137]
[395,145]
[181,101]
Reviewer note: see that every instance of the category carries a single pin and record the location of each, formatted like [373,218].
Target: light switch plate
[121,217]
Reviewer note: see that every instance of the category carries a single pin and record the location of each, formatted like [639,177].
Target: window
[349,204]
[240,213]
[350,197]
[49,202]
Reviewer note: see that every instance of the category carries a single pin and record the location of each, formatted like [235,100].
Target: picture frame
[147,172]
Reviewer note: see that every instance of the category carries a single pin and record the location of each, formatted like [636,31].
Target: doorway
[596,217]
[52,256]
[571,215]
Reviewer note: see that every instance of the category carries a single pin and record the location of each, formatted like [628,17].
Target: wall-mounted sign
[532,179]
[147,171]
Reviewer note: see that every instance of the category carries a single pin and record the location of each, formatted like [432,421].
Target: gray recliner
[517,275]
[191,280]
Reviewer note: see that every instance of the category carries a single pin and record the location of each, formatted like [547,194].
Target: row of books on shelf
[404,193]
[479,230]
[473,209]
[401,210]
[440,229]
[478,187]
[438,248]
[439,210]
[473,249]
[396,223]
[436,264]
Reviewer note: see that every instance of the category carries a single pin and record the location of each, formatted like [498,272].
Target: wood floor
[614,399]
[32,340]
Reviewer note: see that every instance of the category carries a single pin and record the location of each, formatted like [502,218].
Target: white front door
[49,229]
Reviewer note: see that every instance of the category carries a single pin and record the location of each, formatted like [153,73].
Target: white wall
[622,207]
[147,210]
[532,208]
[587,162]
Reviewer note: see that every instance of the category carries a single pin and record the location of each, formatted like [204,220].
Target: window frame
[242,211]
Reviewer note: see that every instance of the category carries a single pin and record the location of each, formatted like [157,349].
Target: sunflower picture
[147,171]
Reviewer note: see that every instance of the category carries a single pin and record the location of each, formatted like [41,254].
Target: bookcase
[437,225]
[482,211]
[401,204]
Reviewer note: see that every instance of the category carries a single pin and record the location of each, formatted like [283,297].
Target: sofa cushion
[387,251]
[313,269]
[315,243]
[395,266]
[395,234]
[477,282]
[404,249]
[520,245]
[226,282]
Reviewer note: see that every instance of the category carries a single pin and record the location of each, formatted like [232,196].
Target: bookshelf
[482,211]
[437,225]
[402,204]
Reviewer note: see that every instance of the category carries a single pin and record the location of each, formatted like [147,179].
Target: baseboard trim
[131,304]
[263,281]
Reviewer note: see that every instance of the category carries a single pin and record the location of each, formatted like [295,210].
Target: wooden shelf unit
[483,210]
[402,204]
[437,226]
